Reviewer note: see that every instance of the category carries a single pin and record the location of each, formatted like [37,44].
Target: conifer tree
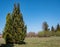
[53,30]
[7,30]
[58,28]
[45,26]
[45,29]
[18,27]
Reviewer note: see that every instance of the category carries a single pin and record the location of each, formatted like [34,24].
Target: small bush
[57,33]
[44,34]
[40,34]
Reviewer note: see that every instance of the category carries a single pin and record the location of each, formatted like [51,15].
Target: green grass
[39,42]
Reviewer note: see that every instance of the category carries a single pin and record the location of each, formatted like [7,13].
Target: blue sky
[35,12]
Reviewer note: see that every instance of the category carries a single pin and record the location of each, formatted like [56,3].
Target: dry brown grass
[39,42]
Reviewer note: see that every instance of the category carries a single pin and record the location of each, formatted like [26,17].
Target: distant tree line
[46,32]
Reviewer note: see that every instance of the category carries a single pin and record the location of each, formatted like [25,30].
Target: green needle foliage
[15,29]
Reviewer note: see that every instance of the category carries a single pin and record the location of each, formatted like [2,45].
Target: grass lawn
[39,42]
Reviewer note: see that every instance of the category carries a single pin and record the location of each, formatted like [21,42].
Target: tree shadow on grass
[12,45]
[6,45]
[21,43]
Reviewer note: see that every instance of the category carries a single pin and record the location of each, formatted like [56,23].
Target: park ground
[38,42]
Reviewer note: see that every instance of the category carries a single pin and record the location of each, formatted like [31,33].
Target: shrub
[57,33]
[44,34]
[41,34]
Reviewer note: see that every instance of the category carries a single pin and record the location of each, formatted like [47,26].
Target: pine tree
[45,26]
[7,30]
[58,28]
[18,27]
[53,30]
[46,29]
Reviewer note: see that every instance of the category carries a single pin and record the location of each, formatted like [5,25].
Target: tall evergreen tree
[53,31]
[17,26]
[58,28]
[7,34]
[45,29]
[52,28]
[45,26]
